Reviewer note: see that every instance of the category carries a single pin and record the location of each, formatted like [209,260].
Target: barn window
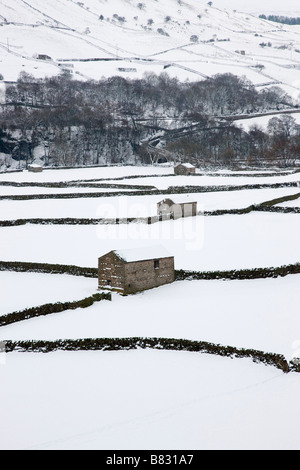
[156,264]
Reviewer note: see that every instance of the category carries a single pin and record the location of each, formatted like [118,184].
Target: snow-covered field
[19,291]
[110,400]
[84,174]
[295,203]
[198,243]
[145,400]
[131,205]
[210,180]
[257,314]
[33,190]
[161,176]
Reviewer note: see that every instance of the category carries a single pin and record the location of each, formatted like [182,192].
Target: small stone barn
[43,57]
[135,270]
[185,169]
[175,210]
[35,168]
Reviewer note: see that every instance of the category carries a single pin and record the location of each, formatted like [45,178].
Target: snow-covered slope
[144,399]
[188,39]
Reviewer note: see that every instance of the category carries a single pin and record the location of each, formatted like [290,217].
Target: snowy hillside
[191,40]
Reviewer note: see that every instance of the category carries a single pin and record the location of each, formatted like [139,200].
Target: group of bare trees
[231,145]
[108,121]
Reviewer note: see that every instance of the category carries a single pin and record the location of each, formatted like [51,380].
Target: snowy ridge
[189,40]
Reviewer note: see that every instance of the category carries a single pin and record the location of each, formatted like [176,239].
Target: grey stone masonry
[128,276]
[173,210]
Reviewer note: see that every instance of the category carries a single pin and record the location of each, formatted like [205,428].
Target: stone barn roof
[167,201]
[177,199]
[142,254]
[186,165]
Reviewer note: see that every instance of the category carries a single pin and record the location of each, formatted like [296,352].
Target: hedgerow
[117,344]
[45,268]
[240,274]
[50,308]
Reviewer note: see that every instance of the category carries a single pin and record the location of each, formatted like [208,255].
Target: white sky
[264,6]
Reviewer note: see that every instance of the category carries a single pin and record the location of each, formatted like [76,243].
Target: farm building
[175,210]
[135,270]
[44,57]
[185,169]
[35,168]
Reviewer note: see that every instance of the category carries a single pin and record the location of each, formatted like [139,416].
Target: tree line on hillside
[69,122]
[281,19]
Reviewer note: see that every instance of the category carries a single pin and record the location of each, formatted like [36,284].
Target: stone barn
[44,57]
[35,168]
[175,210]
[135,270]
[185,169]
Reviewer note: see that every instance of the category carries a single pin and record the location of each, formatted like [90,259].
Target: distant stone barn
[185,169]
[175,210]
[135,270]
[35,168]
[44,57]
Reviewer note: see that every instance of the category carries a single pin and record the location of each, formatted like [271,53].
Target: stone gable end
[136,276]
